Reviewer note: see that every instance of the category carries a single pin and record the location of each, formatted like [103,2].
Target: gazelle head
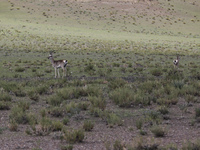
[50,55]
[176,61]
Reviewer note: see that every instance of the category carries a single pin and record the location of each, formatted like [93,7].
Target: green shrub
[5,97]
[67,147]
[124,97]
[197,112]
[139,123]
[19,69]
[154,114]
[47,70]
[13,126]
[191,89]
[190,98]
[148,86]
[9,87]
[33,95]
[73,136]
[97,102]
[116,64]
[96,112]
[156,72]
[178,84]
[101,73]
[170,147]
[41,89]
[142,98]
[36,149]
[65,120]
[90,68]
[88,125]
[24,105]
[158,131]
[72,108]
[112,120]
[142,132]
[174,75]
[191,146]
[57,126]
[79,92]
[77,83]
[196,75]
[55,100]
[4,105]
[1,130]
[123,69]
[70,93]
[18,115]
[168,100]
[116,83]
[32,119]
[118,145]
[93,91]
[56,111]
[143,144]
[163,110]
[83,105]
[43,112]
[44,127]
[34,70]
[146,147]
[66,93]
[19,92]
[19,61]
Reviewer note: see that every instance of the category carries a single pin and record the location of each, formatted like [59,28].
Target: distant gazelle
[58,64]
[176,62]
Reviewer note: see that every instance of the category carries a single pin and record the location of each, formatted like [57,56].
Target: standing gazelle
[176,62]
[58,64]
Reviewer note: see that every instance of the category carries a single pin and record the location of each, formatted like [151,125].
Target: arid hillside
[90,18]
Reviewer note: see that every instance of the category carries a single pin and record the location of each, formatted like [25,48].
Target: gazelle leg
[55,72]
[58,74]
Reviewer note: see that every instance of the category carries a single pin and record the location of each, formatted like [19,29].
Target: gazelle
[176,62]
[58,64]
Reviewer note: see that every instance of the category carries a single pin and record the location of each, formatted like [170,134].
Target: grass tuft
[74,136]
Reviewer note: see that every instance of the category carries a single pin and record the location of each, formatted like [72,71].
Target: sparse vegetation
[139,123]
[158,131]
[5,97]
[118,145]
[67,147]
[124,97]
[88,125]
[197,112]
[4,105]
[73,136]
[191,145]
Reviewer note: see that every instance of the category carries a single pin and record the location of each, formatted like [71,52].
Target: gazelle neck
[52,60]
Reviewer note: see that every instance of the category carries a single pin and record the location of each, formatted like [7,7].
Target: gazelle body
[58,64]
[176,62]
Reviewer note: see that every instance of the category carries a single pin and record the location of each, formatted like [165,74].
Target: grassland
[121,87]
